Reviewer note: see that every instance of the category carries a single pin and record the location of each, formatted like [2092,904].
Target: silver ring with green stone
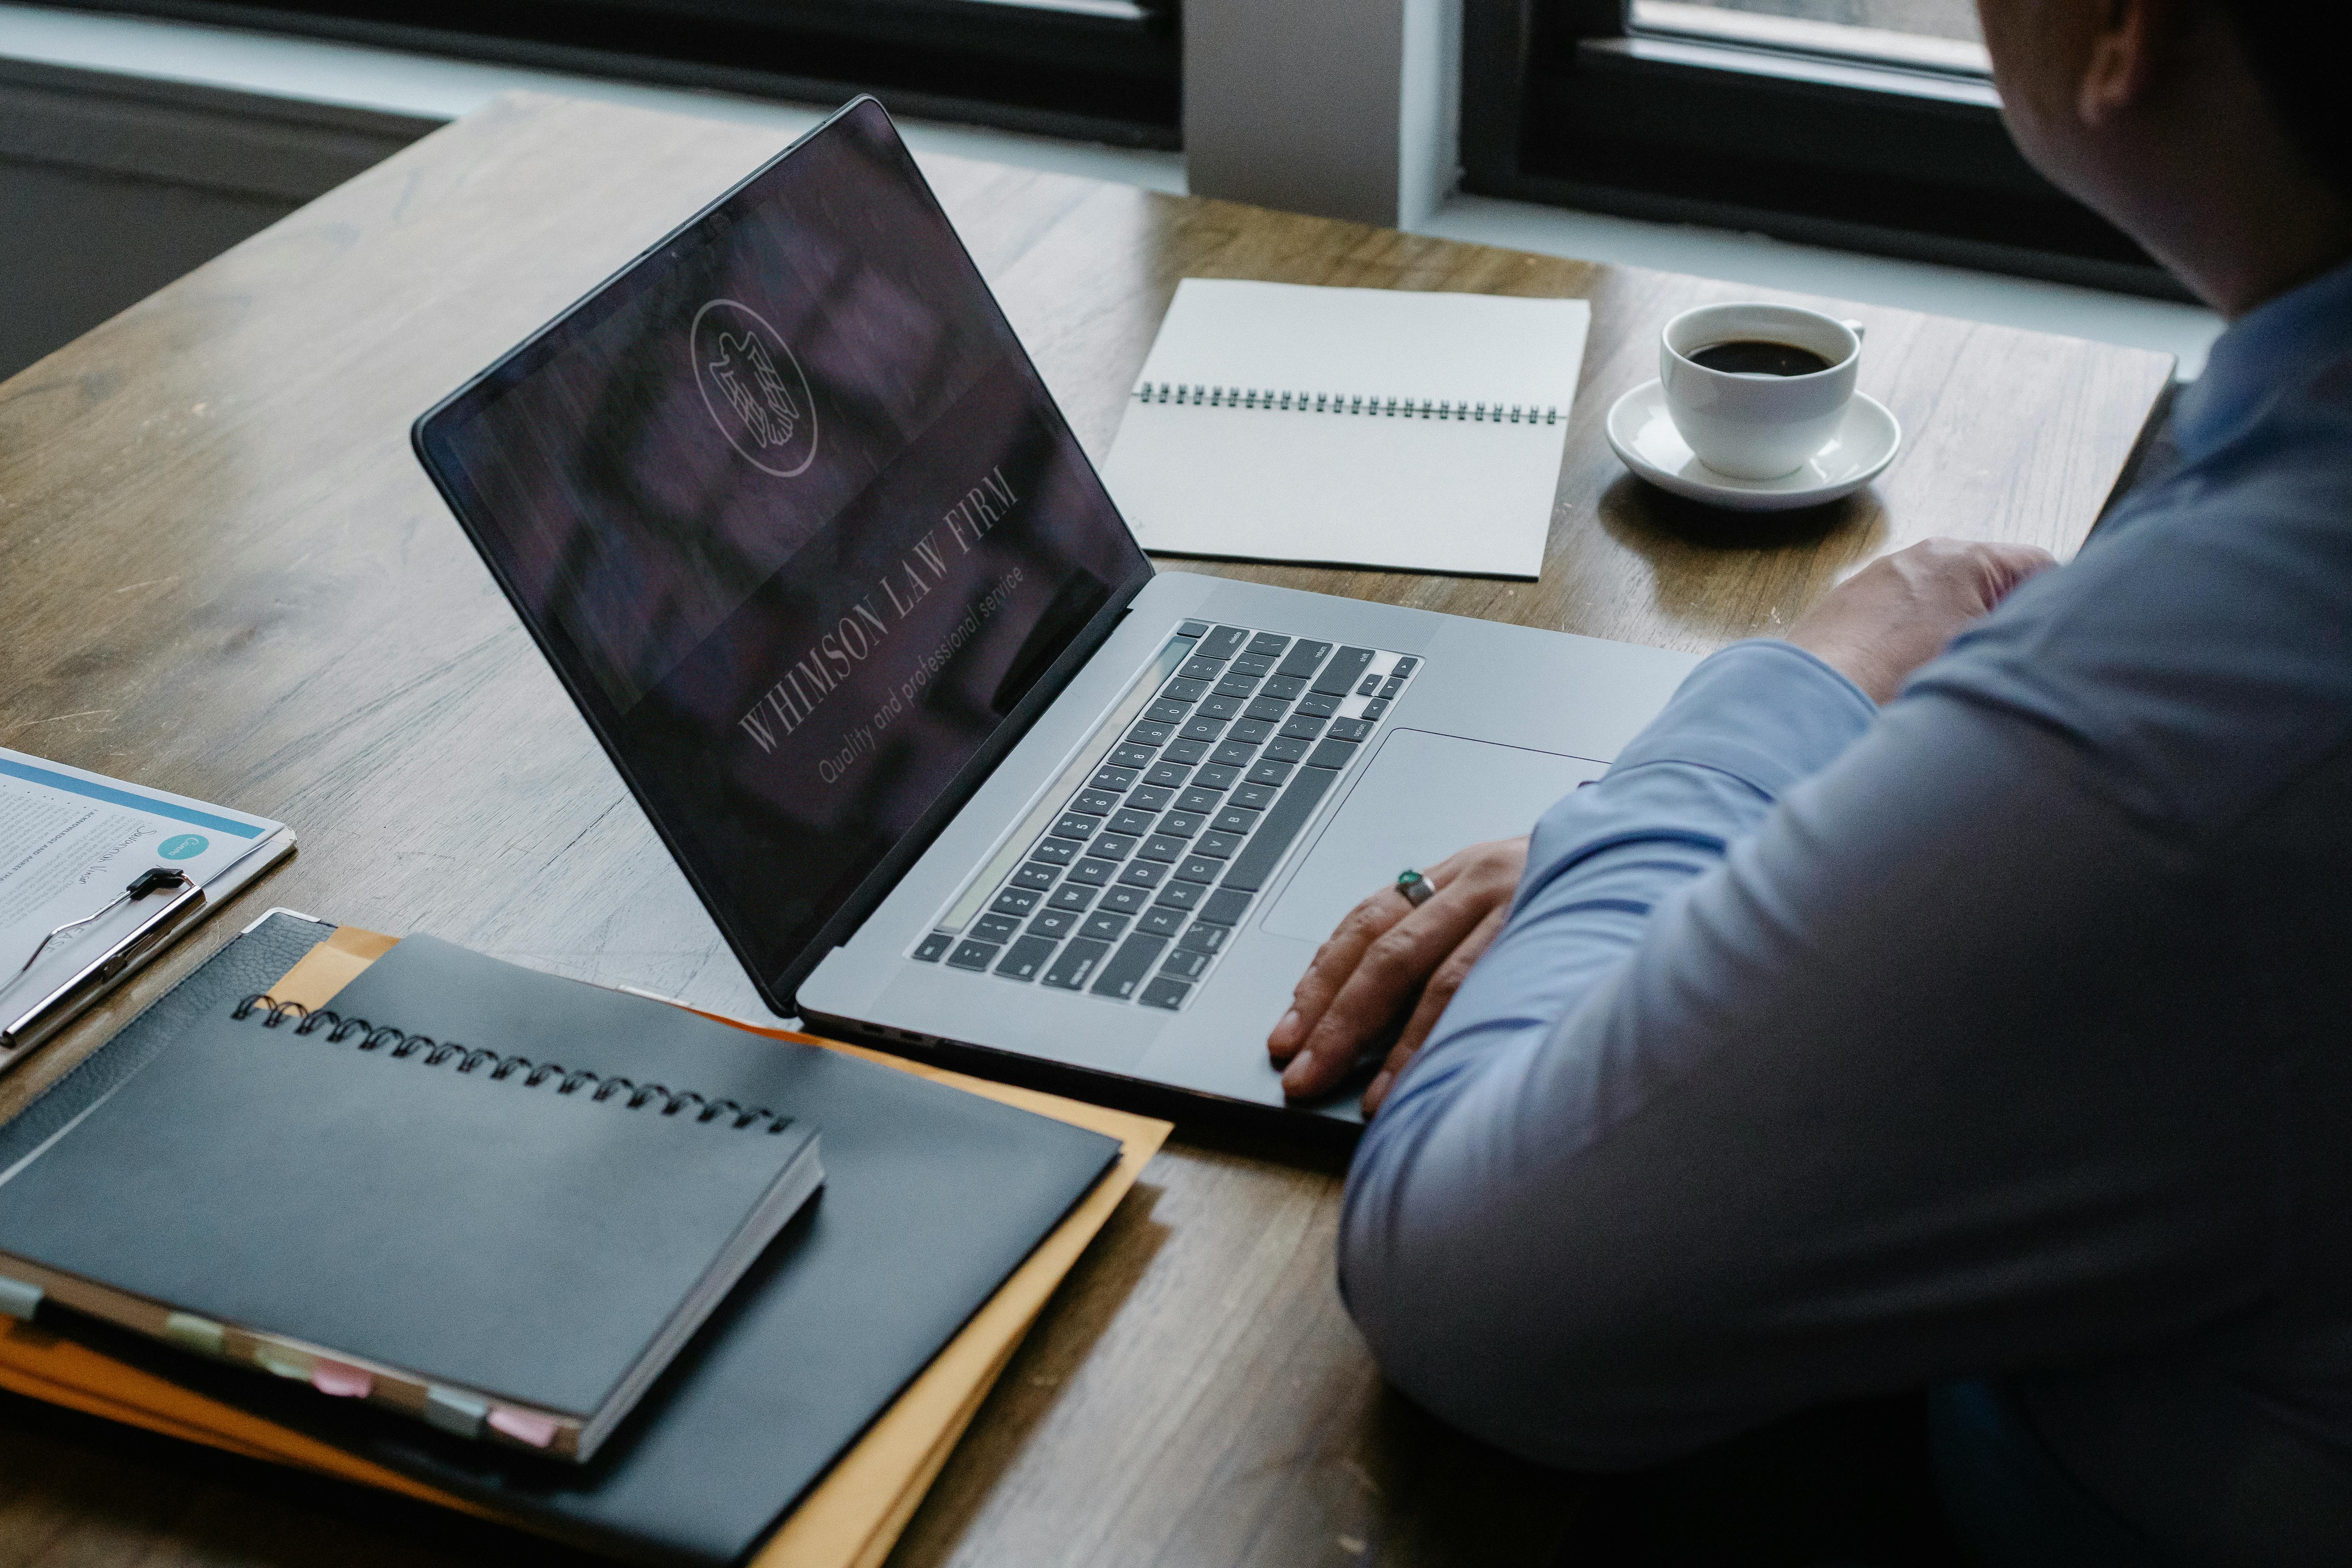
[1417,889]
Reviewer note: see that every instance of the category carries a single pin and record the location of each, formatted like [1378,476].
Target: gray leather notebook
[503,1248]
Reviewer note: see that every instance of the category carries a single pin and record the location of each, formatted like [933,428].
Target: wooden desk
[222,572]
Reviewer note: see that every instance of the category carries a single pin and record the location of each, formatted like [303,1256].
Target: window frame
[1565,103]
[1104,71]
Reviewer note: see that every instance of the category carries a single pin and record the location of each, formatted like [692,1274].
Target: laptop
[789,509]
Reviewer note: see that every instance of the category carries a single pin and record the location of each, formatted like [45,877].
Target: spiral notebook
[1419,432]
[506,1249]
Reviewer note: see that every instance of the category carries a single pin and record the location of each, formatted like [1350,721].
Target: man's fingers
[1390,970]
[1334,962]
[1434,998]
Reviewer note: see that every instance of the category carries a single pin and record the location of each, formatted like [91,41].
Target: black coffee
[1754,357]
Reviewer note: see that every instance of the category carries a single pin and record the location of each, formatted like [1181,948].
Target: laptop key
[1093,873]
[1185,963]
[998,928]
[1268,709]
[1054,851]
[1128,754]
[1182,691]
[1225,907]
[1282,688]
[1340,674]
[1096,802]
[1215,706]
[1186,752]
[1148,733]
[1205,936]
[1103,926]
[1144,873]
[1376,707]
[1236,820]
[1168,775]
[1254,865]
[1193,629]
[1349,729]
[1161,922]
[1151,797]
[1121,900]
[933,945]
[1204,729]
[1199,668]
[972,956]
[1268,645]
[1180,895]
[1165,992]
[1112,779]
[1069,972]
[1257,667]
[1303,658]
[1033,875]
[1014,901]
[1288,749]
[1198,799]
[1127,967]
[1318,704]
[1163,848]
[1072,896]
[1219,845]
[1369,687]
[1235,754]
[1198,868]
[1256,797]
[1166,711]
[1390,688]
[1332,754]
[1131,821]
[1182,823]
[1217,775]
[1250,731]
[1235,688]
[1024,958]
[1270,772]
[1055,923]
[1224,642]
[1074,825]
[1304,726]
[1111,846]
[1406,667]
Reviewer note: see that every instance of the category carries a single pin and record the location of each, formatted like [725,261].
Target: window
[1102,70]
[1868,124]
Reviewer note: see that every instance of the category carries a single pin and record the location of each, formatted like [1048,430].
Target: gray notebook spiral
[503,1248]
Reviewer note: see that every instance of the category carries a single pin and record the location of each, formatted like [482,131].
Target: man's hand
[1899,612]
[1390,960]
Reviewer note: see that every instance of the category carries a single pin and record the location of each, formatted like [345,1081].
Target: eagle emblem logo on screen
[753,388]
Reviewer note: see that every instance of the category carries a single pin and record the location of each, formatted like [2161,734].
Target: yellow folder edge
[850,1520]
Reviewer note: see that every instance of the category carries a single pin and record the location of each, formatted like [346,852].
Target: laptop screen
[792,513]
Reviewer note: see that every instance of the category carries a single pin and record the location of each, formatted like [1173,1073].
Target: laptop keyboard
[1130,878]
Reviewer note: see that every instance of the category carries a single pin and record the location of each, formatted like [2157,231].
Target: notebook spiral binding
[1344,403]
[402,1044]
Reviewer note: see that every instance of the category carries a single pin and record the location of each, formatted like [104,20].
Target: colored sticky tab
[523,1426]
[332,1377]
[284,1362]
[454,1412]
[190,1332]
[19,1300]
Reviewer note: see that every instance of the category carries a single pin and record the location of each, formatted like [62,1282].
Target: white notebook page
[1426,491]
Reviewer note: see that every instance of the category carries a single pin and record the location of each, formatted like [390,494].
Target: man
[1895,1015]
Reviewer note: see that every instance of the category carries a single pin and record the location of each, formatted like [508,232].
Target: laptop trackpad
[1423,797]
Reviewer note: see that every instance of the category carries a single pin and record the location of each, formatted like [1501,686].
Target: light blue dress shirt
[2007,1031]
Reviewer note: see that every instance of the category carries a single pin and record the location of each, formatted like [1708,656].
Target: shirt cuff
[1766,711]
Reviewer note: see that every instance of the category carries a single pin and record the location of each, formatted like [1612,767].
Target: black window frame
[1565,103]
[1104,71]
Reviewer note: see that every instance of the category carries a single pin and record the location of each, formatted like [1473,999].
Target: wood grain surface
[223,572]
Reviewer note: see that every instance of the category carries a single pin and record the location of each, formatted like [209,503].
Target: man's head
[2204,128]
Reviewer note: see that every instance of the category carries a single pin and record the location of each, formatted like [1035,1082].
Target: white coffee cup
[1757,425]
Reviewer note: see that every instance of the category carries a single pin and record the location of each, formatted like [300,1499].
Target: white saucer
[1643,434]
